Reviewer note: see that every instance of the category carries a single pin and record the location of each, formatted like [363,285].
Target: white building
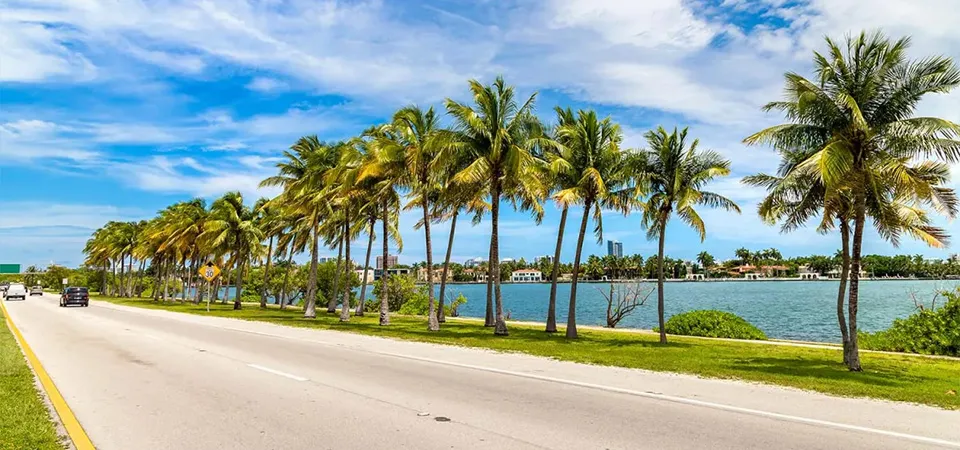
[526,276]
[366,275]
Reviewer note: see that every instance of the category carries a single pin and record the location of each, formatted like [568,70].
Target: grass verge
[891,377]
[25,421]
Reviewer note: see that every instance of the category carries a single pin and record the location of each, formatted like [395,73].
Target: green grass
[24,419]
[893,377]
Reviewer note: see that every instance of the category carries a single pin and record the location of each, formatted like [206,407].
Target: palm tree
[858,116]
[418,135]
[382,169]
[501,137]
[798,194]
[233,225]
[454,198]
[561,174]
[674,177]
[268,220]
[592,161]
[301,176]
[706,261]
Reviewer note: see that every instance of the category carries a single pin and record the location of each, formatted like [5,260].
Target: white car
[16,290]
[36,290]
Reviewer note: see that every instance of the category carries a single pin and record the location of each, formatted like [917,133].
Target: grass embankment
[24,419]
[893,377]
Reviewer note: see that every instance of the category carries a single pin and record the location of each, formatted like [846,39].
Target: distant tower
[615,248]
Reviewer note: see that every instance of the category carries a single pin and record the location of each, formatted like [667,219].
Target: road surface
[146,379]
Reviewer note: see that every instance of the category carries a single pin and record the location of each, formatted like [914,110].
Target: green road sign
[9,268]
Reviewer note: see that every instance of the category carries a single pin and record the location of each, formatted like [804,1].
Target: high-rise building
[615,248]
[391,261]
[474,262]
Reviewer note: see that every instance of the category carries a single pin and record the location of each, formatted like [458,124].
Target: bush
[712,323]
[929,331]
[402,289]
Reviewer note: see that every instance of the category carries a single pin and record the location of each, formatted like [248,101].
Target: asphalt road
[145,379]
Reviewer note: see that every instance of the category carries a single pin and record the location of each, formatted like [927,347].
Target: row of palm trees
[849,152]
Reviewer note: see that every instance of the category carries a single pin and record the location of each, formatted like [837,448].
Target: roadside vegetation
[892,377]
[26,422]
[932,330]
[852,152]
[711,323]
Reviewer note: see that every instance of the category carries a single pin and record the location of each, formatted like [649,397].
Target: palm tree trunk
[385,275]
[238,289]
[366,263]
[500,326]
[345,306]
[660,318]
[552,305]
[853,352]
[332,303]
[441,314]
[572,311]
[130,276]
[310,307]
[842,291]
[266,275]
[103,284]
[166,281]
[286,274]
[432,323]
[489,319]
[120,281]
[139,287]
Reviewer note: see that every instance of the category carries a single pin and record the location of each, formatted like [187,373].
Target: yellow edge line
[79,437]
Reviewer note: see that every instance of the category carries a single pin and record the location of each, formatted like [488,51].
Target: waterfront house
[393,272]
[366,276]
[805,273]
[526,276]
[437,274]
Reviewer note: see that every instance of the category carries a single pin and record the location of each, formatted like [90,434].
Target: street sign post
[209,272]
[66,281]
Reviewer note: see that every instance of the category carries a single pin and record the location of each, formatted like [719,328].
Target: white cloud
[267,84]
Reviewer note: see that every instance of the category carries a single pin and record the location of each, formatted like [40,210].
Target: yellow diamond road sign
[209,272]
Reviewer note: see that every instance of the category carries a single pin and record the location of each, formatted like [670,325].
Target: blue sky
[111,110]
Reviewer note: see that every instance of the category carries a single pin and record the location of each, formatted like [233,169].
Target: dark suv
[75,296]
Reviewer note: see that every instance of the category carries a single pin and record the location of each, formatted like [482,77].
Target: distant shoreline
[715,280]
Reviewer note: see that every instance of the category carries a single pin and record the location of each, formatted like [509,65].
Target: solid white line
[277,372]
[664,397]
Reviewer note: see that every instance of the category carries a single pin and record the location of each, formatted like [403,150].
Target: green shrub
[929,331]
[711,323]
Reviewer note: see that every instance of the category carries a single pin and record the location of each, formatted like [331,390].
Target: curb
[70,423]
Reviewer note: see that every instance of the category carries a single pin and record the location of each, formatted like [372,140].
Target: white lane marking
[277,372]
[664,397]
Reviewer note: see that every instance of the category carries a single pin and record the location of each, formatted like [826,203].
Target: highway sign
[9,268]
[209,271]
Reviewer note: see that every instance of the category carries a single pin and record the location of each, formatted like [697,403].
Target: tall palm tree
[502,138]
[233,225]
[673,179]
[591,156]
[418,136]
[798,194]
[268,220]
[382,170]
[301,176]
[561,174]
[858,115]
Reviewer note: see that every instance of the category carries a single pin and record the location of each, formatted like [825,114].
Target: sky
[113,109]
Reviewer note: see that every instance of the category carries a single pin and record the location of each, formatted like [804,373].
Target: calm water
[783,310]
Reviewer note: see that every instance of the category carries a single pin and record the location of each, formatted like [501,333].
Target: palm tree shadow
[825,369]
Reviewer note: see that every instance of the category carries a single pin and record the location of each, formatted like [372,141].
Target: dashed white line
[277,372]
